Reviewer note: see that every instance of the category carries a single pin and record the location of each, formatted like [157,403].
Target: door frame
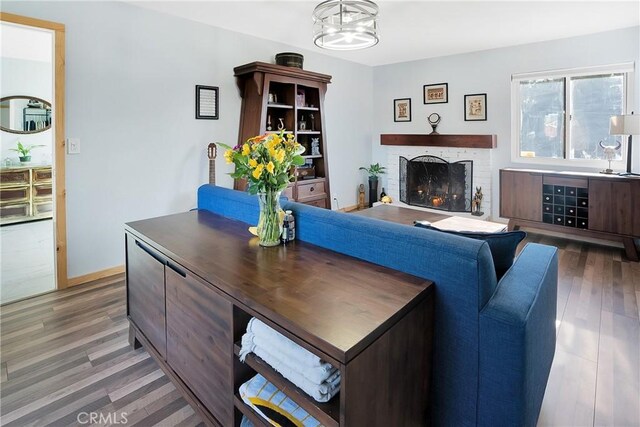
[60,218]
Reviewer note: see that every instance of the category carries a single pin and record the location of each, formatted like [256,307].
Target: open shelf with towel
[190,312]
[327,413]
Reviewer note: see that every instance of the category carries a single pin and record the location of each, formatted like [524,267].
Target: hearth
[432,182]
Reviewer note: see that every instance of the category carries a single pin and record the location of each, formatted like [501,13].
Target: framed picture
[402,110]
[207,102]
[436,94]
[475,107]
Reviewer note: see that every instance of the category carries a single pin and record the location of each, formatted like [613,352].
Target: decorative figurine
[315,146]
[281,124]
[302,125]
[361,196]
[269,122]
[311,120]
[610,154]
[273,99]
[434,120]
[476,203]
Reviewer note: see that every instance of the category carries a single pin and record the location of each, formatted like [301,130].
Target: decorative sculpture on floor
[476,203]
[361,197]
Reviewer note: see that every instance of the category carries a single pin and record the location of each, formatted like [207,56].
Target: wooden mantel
[437,140]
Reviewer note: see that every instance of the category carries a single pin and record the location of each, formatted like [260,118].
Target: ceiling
[411,30]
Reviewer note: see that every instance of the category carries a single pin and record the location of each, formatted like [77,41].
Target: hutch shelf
[277,98]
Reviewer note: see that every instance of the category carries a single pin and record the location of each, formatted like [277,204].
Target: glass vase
[271,218]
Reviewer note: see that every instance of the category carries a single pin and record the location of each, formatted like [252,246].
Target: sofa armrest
[517,339]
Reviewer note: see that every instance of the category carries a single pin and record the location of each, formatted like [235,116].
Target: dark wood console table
[195,279]
[584,204]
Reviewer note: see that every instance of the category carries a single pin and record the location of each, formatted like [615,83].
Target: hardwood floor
[66,353]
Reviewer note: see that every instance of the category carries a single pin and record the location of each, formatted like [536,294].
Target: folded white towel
[320,392]
[285,346]
[315,374]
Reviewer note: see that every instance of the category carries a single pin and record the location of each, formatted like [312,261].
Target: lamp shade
[628,124]
[345,24]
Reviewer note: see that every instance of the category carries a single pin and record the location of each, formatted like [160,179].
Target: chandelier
[345,24]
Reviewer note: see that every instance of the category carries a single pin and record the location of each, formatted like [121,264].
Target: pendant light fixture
[345,24]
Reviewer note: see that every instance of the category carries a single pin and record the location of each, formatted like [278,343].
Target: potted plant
[374,172]
[24,151]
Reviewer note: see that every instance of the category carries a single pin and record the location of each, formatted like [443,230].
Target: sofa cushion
[503,245]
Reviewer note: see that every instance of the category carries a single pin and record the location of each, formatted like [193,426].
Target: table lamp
[628,124]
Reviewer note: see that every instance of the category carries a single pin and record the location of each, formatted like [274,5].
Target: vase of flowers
[266,161]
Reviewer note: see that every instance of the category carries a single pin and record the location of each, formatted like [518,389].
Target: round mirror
[24,114]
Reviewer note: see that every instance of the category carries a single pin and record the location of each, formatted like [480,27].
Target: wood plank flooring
[66,353]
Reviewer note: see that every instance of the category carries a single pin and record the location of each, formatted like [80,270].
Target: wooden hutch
[275,97]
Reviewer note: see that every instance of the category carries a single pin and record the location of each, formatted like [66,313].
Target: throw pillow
[502,245]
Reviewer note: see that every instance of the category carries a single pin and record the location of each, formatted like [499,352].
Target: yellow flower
[228,156]
[253,163]
[272,152]
[270,167]
[279,156]
[258,171]
[246,150]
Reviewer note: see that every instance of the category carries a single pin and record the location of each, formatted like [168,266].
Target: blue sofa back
[463,272]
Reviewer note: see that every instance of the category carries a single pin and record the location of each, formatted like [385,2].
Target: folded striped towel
[273,405]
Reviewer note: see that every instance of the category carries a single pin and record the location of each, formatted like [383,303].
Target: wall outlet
[73,145]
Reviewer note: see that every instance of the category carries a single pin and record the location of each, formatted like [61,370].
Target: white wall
[130,95]
[489,72]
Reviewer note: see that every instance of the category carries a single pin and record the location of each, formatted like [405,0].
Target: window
[561,117]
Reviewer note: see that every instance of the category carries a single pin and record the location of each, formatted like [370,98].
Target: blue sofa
[494,341]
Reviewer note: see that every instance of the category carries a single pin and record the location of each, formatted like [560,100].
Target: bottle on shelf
[382,194]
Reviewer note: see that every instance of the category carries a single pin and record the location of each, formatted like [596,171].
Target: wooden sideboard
[195,279]
[585,204]
[26,193]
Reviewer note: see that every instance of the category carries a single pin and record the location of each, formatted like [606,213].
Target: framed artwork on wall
[475,107]
[207,102]
[436,93]
[402,110]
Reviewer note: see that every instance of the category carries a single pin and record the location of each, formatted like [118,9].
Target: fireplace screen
[432,182]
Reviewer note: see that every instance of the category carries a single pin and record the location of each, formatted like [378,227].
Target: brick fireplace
[481,174]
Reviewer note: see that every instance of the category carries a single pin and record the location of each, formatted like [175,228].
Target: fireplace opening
[432,182]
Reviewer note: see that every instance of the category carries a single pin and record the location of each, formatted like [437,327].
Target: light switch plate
[73,145]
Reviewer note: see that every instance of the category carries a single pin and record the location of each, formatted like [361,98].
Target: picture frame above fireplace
[475,107]
[402,110]
[437,93]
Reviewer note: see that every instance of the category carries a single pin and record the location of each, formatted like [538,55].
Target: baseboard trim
[86,278]
[349,209]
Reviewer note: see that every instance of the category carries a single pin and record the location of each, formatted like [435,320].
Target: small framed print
[402,110]
[207,102]
[475,107]
[436,93]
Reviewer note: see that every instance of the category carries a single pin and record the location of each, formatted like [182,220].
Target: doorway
[32,188]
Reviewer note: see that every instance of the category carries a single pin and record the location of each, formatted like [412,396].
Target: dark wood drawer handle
[176,269]
[151,253]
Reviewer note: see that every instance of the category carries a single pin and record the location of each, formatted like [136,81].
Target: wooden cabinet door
[200,342]
[611,206]
[521,195]
[145,292]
